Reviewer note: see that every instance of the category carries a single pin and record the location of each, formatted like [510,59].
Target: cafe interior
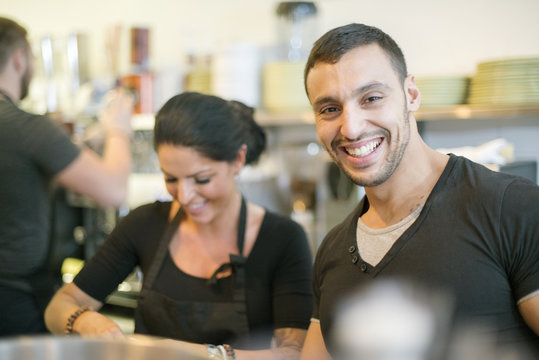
[464,56]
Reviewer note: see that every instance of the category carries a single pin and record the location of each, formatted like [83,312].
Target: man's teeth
[364,150]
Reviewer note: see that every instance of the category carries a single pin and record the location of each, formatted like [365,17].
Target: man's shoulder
[13,116]
[483,179]
[18,120]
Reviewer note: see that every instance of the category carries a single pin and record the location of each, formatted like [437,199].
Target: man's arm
[105,179]
[529,309]
[314,347]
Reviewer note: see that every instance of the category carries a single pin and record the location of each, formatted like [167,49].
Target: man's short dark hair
[12,36]
[337,42]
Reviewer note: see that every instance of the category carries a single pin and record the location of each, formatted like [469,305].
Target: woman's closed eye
[197,180]
[203,180]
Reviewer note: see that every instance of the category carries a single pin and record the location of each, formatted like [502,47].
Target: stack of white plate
[506,82]
[442,90]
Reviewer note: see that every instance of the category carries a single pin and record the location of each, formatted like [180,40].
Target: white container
[236,73]
[283,89]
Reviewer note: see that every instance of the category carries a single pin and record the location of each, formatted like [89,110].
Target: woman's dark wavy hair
[214,127]
[337,42]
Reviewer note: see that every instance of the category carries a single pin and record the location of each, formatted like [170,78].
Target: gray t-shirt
[32,150]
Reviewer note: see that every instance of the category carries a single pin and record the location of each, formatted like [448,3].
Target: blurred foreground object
[395,319]
[392,320]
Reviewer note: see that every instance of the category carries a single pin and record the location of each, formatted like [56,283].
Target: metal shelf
[266,118]
[306,117]
[464,112]
[459,112]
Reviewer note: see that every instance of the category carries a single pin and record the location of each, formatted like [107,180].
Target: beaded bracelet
[73,317]
[221,352]
[230,353]
[213,352]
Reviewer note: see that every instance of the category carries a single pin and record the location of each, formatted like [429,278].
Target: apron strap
[241,225]
[162,249]
[236,261]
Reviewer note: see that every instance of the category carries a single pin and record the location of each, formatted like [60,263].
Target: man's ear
[413,95]
[20,60]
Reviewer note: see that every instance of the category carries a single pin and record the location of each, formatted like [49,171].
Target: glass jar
[296,29]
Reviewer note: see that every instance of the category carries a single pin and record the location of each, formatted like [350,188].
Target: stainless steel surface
[59,348]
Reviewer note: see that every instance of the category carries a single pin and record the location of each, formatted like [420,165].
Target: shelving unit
[464,112]
[458,112]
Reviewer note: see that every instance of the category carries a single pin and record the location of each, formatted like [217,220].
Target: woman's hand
[288,341]
[93,324]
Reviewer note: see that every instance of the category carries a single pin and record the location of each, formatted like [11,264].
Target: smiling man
[435,219]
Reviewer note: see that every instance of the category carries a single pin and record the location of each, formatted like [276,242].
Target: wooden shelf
[266,118]
[459,112]
[464,112]
[306,117]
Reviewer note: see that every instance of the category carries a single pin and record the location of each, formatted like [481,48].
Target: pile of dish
[506,82]
[442,90]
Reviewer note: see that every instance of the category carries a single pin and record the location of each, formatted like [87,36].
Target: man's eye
[170,180]
[373,99]
[328,109]
[202,181]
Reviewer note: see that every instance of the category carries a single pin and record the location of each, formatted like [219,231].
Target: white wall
[437,37]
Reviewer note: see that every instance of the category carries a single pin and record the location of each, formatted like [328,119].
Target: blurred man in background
[34,152]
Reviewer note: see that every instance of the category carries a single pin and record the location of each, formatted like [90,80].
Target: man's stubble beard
[391,163]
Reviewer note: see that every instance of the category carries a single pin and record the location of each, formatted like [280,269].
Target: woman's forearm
[58,312]
[66,302]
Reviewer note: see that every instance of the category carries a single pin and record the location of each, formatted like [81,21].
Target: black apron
[199,322]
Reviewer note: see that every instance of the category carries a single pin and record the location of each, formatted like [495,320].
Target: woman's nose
[185,191]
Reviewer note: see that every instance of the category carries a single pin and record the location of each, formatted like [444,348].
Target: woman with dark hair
[217,269]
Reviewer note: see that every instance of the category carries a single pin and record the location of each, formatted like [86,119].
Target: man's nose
[352,122]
